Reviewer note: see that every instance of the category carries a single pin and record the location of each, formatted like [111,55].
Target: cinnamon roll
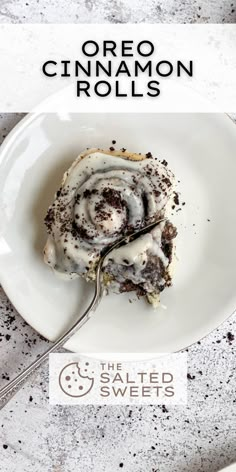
[104,195]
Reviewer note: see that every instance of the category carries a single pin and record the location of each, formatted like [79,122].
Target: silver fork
[7,392]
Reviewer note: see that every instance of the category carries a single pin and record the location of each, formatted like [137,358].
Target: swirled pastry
[104,195]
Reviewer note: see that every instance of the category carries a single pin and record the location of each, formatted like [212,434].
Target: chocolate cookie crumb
[190,377]
[149,155]
[87,193]
[165,163]
[230,337]
[113,197]
[167,181]
[176,198]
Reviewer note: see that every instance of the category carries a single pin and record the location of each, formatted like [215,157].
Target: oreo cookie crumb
[165,163]
[230,337]
[149,155]
[190,377]
[176,198]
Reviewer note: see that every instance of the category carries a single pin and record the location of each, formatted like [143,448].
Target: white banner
[122,67]
[76,379]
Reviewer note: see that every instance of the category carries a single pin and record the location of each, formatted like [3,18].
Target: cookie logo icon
[73,383]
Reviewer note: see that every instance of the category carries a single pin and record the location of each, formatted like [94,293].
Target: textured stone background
[35,436]
[118,11]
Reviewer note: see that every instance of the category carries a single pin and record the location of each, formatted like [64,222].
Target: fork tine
[130,237]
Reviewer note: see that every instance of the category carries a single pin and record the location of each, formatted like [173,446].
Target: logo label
[118,379]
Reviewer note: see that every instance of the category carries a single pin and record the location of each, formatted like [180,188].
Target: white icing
[132,252]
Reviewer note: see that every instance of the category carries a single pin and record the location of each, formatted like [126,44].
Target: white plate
[231,468]
[201,150]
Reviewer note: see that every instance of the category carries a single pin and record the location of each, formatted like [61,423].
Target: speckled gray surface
[118,11]
[35,436]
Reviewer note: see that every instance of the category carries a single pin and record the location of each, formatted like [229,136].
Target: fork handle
[7,392]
